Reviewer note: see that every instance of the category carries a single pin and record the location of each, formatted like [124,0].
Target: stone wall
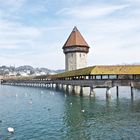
[75,60]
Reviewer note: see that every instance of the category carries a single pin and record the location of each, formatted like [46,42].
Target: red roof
[75,39]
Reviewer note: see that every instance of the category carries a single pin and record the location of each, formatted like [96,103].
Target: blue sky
[33,32]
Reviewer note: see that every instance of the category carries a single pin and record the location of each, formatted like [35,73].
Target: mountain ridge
[25,70]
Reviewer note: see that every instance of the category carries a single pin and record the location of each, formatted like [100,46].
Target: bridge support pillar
[67,88]
[60,86]
[92,92]
[52,85]
[81,91]
[73,90]
[64,88]
[56,86]
[108,93]
[132,92]
[117,91]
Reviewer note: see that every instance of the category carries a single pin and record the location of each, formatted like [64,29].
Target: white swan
[10,129]
[83,110]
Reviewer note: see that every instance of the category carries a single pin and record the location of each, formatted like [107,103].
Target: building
[75,50]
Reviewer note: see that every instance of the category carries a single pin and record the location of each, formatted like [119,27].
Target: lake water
[43,114]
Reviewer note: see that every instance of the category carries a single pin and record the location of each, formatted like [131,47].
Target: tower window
[80,54]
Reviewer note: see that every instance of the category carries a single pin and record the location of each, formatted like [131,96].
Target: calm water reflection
[42,114]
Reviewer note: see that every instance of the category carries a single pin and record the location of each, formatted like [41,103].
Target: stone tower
[75,49]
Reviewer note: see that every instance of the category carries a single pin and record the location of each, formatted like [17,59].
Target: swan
[83,110]
[10,129]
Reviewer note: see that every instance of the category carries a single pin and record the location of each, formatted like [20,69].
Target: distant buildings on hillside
[25,71]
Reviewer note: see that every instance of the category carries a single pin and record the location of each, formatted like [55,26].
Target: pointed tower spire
[75,39]
[75,29]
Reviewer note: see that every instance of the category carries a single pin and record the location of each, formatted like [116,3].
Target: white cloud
[37,60]
[8,46]
[53,60]
[13,34]
[107,55]
[8,7]
[93,11]
[133,1]
[26,43]
[13,3]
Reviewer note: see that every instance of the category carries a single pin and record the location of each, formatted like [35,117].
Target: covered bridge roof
[102,70]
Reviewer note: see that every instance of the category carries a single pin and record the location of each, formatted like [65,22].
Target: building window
[72,54]
[80,54]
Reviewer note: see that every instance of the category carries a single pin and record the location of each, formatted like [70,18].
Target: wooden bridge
[91,77]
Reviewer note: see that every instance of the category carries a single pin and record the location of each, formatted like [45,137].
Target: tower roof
[75,39]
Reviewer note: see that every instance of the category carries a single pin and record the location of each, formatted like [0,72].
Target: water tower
[75,49]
